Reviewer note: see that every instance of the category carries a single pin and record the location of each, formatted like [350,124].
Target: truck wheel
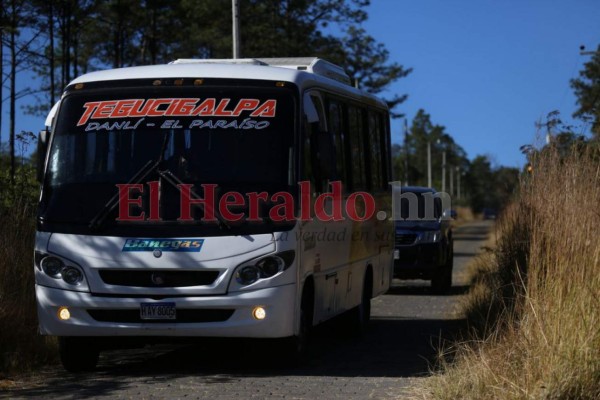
[442,282]
[78,354]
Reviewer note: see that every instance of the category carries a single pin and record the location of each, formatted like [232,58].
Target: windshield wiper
[170,178]
[97,222]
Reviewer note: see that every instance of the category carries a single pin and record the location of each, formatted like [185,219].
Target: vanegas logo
[182,245]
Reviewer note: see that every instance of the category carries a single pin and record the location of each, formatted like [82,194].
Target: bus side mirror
[42,149]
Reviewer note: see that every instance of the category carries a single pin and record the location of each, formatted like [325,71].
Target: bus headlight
[52,266]
[59,272]
[269,266]
[72,275]
[248,275]
[265,267]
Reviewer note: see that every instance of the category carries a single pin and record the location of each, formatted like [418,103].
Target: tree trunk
[63,47]
[153,36]
[75,45]
[51,38]
[13,73]
[67,54]
[1,74]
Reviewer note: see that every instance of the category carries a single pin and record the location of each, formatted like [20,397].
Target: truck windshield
[239,138]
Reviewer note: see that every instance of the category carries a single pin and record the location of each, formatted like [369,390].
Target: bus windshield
[239,138]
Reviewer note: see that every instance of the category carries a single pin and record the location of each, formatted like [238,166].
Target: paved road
[399,348]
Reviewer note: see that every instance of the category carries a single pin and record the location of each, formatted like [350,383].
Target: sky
[486,70]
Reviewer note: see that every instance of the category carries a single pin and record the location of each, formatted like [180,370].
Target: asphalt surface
[408,324]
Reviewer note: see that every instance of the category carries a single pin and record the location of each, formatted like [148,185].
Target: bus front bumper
[229,315]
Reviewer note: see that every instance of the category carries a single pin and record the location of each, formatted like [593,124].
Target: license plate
[149,311]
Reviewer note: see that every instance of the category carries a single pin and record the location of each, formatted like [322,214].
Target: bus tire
[360,315]
[78,354]
[296,347]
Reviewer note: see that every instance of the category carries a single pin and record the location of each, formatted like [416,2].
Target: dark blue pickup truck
[424,246]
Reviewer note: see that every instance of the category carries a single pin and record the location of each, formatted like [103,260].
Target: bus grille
[157,278]
[183,316]
[404,239]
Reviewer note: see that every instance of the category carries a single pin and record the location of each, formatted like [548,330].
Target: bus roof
[305,72]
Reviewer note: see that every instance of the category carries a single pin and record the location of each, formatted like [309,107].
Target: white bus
[211,198]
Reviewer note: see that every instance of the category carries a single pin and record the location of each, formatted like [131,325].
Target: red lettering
[125,201]
[174,103]
[236,200]
[123,108]
[138,110]
[220,111]
[104,109]
[368,206]
[207,107]
[154,111]
[305,195]
[182,108]
[186,201]
[154,201]
[254,198]
[245,105]
[89,108]
[336,204]
[267,109]
[287,206]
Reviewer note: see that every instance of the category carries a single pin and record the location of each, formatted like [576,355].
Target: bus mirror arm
[42,148]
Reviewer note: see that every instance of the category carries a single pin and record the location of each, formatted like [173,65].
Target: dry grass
[20,346]
[463,216]
[534,306]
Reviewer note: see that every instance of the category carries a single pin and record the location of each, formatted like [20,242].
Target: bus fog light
[52,266]
[64,313]
[259,313]
[72,275]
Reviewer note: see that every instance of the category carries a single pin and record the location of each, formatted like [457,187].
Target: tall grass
[20,345]
[534,306]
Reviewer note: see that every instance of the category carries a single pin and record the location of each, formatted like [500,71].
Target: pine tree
[587,90]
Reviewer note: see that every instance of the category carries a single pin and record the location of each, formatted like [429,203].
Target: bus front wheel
[296,347]
[78,354]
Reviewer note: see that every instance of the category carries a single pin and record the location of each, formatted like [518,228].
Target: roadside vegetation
[21,347]
[533,308]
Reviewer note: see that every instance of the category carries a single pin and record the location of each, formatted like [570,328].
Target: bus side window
[356,130]
[386,155]
[315,132]
[374,148]
[336,130]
